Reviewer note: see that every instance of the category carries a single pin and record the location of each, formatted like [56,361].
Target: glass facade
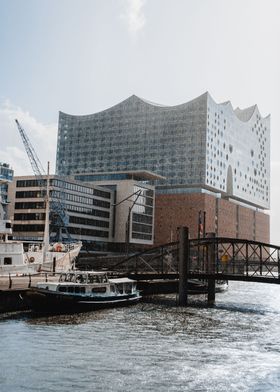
[89,208]
[142,214]
[6,176]
[197,145]
[136,135]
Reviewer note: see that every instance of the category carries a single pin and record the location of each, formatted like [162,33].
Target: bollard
[10,281]
[183,265]
[29,284]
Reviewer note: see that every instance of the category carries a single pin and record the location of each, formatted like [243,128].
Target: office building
[134,202]
[92,214]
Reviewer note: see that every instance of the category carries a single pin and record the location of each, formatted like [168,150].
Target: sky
[83,56]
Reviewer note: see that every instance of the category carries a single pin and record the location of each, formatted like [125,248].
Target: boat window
[103,278]
[63,289]
[7,260]
[97,278]
[77,289]
[99,290]
[81,278]
[120,288]
[83,289]
[127,288]
[70,289]
[62,278]
[91,279]
[69,278]
[112,288]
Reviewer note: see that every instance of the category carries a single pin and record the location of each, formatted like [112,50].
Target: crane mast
[57,209]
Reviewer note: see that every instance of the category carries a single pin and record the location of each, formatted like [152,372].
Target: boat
[39,257]
[14,260]
[79,291]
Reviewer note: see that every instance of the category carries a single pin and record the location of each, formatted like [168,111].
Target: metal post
[184,253]
[278,262]
[29,284]
[199,225]
[211,271]
[10,281]
[127,241]
[54,265]
[204,224]
[247,260]
[261,261]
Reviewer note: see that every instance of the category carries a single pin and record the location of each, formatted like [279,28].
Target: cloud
[133,15]
[42,137]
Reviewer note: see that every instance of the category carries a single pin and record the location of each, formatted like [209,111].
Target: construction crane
[59,218]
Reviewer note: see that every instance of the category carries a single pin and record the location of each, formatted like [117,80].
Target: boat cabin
[90,283]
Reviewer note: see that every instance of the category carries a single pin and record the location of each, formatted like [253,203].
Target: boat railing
[38,247]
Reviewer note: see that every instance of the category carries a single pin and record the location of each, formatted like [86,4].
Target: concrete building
[89,209]
[134,202]
[206,151]
[93,216]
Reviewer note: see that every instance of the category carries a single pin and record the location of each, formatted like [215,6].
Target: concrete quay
[13,289]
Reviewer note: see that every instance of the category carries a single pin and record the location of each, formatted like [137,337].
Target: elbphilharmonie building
[204,150]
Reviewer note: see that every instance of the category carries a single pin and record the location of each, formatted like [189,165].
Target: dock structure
[206,260]
[13,289]
[189,265]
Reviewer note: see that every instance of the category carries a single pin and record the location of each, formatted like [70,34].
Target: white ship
[40,257]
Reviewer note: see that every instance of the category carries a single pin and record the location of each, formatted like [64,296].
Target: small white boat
[80,291]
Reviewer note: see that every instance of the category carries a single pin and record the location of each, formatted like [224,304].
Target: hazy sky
[82,56]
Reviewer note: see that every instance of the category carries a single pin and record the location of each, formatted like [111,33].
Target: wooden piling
[183,265]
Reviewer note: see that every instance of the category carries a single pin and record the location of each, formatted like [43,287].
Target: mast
[47,212]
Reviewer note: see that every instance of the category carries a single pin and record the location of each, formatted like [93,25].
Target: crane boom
[33,158]
[57,209]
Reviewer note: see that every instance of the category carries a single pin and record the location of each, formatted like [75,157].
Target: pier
[186,267]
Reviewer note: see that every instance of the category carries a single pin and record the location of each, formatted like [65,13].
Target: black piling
[54,265]
[183,265]
[211,270]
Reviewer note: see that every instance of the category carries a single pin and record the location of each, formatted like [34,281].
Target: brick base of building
[223,217]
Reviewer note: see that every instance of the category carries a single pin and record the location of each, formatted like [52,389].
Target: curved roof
[243,115]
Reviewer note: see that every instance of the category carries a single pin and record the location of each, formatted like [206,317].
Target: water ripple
[153,346]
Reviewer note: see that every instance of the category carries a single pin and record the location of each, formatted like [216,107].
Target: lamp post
[127,231]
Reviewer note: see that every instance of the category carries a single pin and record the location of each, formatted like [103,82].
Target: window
[7,260]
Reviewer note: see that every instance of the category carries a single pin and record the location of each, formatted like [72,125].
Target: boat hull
[46,301]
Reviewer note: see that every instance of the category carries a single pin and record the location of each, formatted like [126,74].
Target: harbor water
[152,346]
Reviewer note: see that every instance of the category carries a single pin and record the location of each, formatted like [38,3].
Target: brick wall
[224,217]
[262,227]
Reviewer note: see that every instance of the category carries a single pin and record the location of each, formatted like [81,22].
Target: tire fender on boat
[58,247]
